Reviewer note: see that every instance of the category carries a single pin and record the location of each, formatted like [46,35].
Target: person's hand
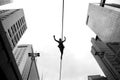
[64,37]
[53,35]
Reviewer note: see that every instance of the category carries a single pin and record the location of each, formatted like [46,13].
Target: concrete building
[15,63]
[13,23]
[8,66]
[104,21]
[107,56]
[96,77]
[12,26]
[3,2]
[27,66]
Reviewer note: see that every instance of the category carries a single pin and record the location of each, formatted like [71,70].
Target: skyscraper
[12,27]
[104,21]
[26,64]
[13,23]
[107,56]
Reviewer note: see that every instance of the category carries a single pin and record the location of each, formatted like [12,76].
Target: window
[19,33]
[25,27]
[22,30]
[17,36]
[9,33]
[12,30]
[15,39]
[17,25]
[21,20]
[13,42]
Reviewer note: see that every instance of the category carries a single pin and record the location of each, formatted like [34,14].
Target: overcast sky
[43,19]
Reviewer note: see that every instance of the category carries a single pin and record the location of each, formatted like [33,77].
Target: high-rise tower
[12,27]
[26,64]
[104,21]
[13,23]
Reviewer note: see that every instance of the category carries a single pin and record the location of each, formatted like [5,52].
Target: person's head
[60,39]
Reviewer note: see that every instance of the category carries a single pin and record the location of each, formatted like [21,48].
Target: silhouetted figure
[61,46]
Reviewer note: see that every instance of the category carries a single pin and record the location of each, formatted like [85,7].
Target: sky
[43,18]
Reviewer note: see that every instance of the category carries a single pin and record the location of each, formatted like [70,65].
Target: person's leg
[61,50]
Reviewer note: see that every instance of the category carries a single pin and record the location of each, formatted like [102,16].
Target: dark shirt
[61,46]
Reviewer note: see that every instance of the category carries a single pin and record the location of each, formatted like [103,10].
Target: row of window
[18,35]
[21,57]
[18,54]
[15,27]
[18,50]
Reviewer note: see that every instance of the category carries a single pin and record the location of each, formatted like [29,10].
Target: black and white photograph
[59,39]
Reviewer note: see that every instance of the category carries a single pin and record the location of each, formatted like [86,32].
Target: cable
[62,19]
[60,69]
[62,37]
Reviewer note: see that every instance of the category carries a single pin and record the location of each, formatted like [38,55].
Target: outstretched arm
[64,39]
[55,38]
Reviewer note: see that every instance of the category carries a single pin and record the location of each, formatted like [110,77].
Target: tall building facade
[107,56]
[26,64]
[13,24]
[104,21]
[12,27]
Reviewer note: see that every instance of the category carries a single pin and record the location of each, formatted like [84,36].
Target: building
[27,66]
[16,62]
[3,2]
[12,27]
[104,21]
[8,67]
[13,24]
[107,56]
[96,77]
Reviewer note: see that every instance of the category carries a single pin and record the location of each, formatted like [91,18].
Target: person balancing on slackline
[61,46]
